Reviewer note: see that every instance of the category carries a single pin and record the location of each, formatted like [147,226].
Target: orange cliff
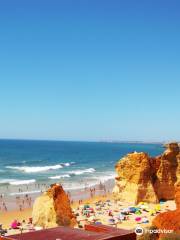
[144,178]
[170,220]
[53,209]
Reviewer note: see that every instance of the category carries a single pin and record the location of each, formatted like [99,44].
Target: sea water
[27,164]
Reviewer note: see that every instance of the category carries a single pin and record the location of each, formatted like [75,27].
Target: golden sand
[7,217]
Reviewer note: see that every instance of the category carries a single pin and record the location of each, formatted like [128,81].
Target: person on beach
[4,206]
[20,208]
[30,201]
[91,192]
[94,190]
[100,186]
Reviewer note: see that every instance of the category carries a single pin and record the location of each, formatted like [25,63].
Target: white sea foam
[4,181]
[78,186]
[22,182]
[36,169]
[72,173]
[60,176]
[67,164]
[90,182]
[79,172]
[107,177]
[24,193]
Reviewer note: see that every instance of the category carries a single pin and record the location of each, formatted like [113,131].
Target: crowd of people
[21,202]
[24,201]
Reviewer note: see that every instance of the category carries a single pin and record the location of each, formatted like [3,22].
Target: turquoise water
[75,164]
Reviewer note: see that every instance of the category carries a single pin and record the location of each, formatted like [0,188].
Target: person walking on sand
[94,191]
[5,208]
[20,207]
[91,192]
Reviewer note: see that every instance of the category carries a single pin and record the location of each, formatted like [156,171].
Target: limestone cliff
[143,178]
[167,173]
[53,209]
[170,220]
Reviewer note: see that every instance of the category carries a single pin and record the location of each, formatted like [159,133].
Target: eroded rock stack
[53,209]
[143,178]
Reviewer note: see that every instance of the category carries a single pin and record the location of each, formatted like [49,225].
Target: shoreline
[25,196]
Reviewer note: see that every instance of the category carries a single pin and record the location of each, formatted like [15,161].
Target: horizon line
[100,140]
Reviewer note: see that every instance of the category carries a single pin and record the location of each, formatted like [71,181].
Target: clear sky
[90,70]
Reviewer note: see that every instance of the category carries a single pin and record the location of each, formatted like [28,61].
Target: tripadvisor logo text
[140,231]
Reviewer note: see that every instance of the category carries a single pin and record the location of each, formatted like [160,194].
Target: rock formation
[53,209]
[166,174]
[170,220]
[144,178]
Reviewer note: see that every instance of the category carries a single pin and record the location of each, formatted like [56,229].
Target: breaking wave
[107,177]
[73,173]
[22,182]
[6,181]
[36,169]
[17,182]
[60,176]
[79,172]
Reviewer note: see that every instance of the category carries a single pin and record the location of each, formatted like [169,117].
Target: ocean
[26,164]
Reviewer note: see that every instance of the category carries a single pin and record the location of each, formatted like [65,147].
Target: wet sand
[16,197]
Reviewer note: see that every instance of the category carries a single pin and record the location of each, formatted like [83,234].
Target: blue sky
[90,70]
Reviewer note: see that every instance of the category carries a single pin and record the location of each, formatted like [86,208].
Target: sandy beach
[91,204]
[104,210]
[19,206]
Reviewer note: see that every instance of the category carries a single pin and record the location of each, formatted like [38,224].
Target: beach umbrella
[138,219]
[85,212]
[152,212]
[145,220]
[86,206]
[132,209]
[145,206]
[125,211]
[138,212]
[91,209]
[88,210]
[158,207]
[121,216]
[3,232]
[14,224]
[98,223]
[111,220]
